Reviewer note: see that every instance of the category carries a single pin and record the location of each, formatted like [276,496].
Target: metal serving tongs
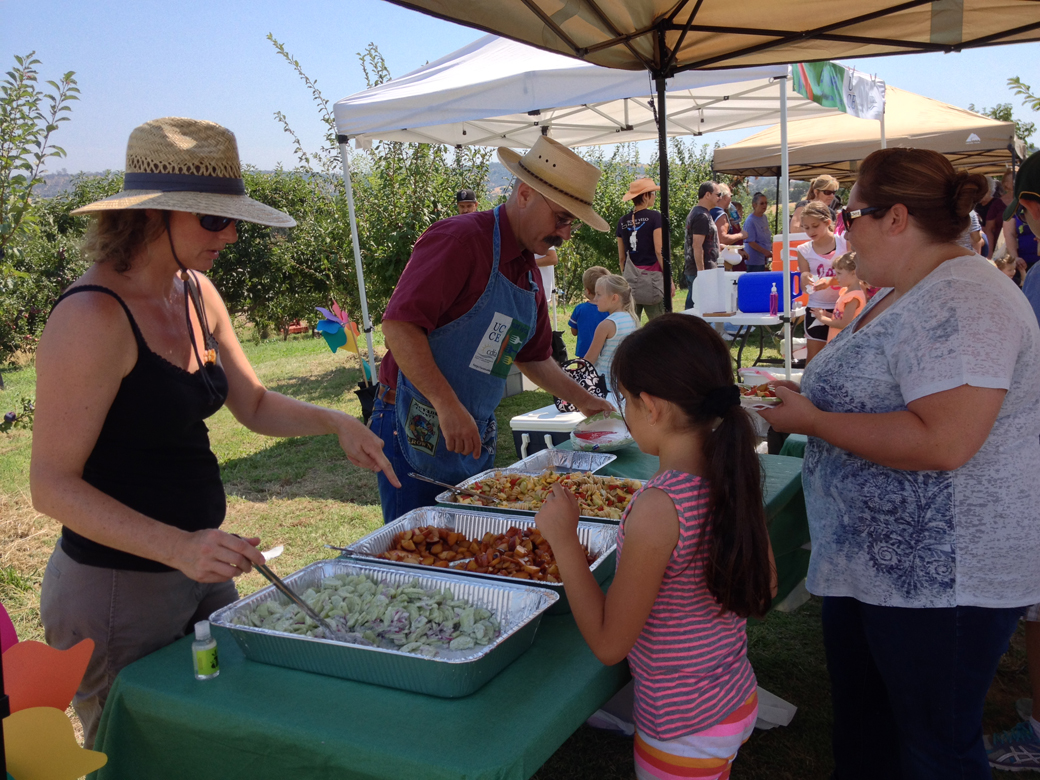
[279,583]
[274,579]
[453,488]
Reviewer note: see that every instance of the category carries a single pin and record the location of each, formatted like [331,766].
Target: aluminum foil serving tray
[451,674]
[599,538]
[448,499]
[563,461]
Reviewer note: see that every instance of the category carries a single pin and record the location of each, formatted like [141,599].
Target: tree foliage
[1025,92]
[1002,112]
[29,115]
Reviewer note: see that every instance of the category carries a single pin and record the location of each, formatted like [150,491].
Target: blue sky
[211,60]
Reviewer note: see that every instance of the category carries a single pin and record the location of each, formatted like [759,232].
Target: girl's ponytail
[739,540]
[683,360]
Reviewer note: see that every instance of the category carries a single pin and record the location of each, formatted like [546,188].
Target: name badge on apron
[502,341]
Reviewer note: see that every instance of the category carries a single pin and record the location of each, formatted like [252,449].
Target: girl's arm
[939,432]
[826,319]
[604,331]
[658,244]
[273,414]
[621,253]
[611,623]
[76,383]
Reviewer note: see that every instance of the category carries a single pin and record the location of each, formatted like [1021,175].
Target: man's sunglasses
[215,224]
[848,215]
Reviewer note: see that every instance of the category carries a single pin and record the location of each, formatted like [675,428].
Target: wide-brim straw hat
[638,187]
[553,170]
[179,164]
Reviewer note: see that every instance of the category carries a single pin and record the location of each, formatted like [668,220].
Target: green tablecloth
[256,721]
[794,445]
[785,507]
[264,722]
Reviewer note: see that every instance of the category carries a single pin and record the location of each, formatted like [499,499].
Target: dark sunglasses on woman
[215,224]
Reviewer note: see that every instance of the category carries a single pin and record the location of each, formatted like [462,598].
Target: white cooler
[542,429]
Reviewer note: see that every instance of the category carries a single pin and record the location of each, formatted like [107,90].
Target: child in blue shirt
[587,316]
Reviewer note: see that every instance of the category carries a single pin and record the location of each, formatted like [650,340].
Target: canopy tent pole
[786,246]
[884,144]
[776,211]
[662,154]
[344,153]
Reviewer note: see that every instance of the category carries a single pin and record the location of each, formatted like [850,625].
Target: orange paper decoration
[37,675]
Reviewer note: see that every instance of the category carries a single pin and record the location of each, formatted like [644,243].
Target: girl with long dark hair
[694,559]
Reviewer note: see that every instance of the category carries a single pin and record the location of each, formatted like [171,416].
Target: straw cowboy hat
[553,170]
[191,165]
[638,187]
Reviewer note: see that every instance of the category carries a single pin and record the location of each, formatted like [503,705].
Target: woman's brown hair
[682,360]
[116,236]
[936,196]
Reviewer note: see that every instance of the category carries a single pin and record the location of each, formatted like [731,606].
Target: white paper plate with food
[760,396]
[603,432]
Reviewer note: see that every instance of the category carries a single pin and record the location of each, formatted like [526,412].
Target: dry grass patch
[26,541]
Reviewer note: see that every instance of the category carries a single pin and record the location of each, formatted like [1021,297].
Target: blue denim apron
[474,353]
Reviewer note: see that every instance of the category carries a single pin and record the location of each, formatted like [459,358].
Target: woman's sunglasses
[215,224]
[848,215]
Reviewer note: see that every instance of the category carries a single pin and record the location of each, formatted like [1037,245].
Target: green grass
[303,493]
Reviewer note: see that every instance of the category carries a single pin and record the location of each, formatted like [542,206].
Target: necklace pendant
[211,357]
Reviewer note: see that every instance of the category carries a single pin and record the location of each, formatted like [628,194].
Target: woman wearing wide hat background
[639,249]
[136,354]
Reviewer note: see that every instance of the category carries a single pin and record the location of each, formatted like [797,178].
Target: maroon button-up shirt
[448,271]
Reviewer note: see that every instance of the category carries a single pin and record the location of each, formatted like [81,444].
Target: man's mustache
[553,240]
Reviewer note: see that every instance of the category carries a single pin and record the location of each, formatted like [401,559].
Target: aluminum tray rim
[220,617]
[593,527]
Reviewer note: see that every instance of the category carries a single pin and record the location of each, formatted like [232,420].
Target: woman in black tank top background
[136,354]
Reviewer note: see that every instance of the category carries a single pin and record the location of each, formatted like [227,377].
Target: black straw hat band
[182,182]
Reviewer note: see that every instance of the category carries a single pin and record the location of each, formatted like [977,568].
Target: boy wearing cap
[639,249]
[466,308]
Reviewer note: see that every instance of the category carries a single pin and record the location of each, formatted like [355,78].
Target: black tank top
[153,451]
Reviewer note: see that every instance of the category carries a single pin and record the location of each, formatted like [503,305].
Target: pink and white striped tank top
[690,661]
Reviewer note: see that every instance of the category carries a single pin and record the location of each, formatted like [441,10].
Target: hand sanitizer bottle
[774,302]
[204,652]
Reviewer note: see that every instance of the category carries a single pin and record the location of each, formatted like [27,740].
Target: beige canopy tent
[665,37]
[836,144]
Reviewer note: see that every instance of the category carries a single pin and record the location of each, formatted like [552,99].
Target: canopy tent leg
[783,191]
[662,153]
[776,211]
[366,322]
[884,143]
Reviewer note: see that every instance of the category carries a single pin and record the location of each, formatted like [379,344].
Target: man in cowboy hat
[468,306]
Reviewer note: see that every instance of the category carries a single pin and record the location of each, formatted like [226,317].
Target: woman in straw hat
[639,249]
[136,354]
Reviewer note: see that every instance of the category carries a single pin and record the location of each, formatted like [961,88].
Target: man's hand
[459,430]
[591,405]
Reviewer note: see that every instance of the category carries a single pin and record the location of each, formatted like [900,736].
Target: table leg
[742,333]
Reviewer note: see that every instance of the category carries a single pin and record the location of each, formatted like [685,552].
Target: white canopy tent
[497,92]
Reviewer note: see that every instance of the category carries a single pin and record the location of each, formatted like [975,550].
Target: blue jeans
[689,290]
[751,269]
[413,493]
[908,687]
